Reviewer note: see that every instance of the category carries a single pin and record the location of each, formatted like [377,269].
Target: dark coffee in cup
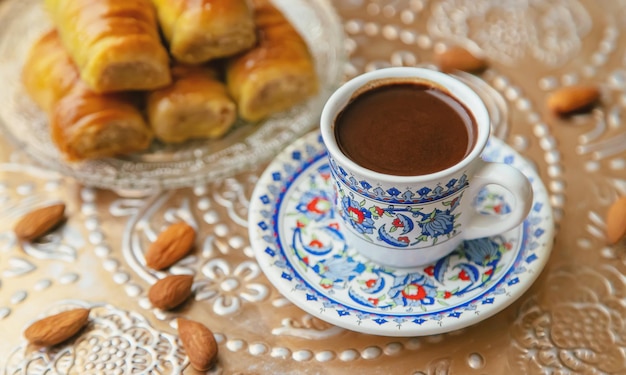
[405,129]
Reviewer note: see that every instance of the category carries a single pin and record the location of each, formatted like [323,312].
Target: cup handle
[510,178]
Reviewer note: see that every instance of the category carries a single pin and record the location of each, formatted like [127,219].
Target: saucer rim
[286,288]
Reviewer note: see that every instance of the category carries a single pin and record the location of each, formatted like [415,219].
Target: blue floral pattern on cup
[400,225]
[397,194]
[404,225]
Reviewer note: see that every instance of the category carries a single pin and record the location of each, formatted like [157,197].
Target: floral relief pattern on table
[22,189]
[574,326]
[113,342]
[42,285]
[221,278]
[226,279]
[19,194]
[506,31]
[602,141]
[600,148]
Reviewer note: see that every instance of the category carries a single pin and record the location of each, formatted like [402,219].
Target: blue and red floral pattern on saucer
[298,241]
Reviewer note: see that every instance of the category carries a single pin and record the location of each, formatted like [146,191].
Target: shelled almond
[199,343]
[38,222]
[458,58]
[573,98]
[57,328]
[170,291]
[170,246]
[616,221]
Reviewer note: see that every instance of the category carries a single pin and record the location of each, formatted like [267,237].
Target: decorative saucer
[298,241]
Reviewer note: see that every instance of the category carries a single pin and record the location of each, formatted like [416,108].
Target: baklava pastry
[196,105]
[201,30]
[49,73]
[276,74]
[88,125]
[83,124]
[115,44]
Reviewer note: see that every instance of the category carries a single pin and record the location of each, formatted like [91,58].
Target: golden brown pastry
[196,105]
[277,73]
[84,124]
[49,73]
[88,125]
[115,44]
[202,30]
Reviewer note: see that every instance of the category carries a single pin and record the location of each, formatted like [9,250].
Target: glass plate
[166,166]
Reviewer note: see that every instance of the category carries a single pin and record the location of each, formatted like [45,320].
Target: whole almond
[57,328]
[38,222]
[458,58]
[170,246]
[170,291]
[616,221]
[573,98]
[198,342]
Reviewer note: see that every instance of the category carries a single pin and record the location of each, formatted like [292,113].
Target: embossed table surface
[572,320]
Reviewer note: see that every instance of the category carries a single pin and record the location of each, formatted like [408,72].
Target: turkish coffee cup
[404,147]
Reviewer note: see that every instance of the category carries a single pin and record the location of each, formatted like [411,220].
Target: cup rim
[459,90]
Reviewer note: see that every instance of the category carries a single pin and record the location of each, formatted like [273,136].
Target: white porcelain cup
[407,221]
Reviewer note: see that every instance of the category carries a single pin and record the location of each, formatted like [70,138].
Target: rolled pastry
[49,73]
[196,105]
[202,30]
[276,74]
[83,124]
[115,44]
